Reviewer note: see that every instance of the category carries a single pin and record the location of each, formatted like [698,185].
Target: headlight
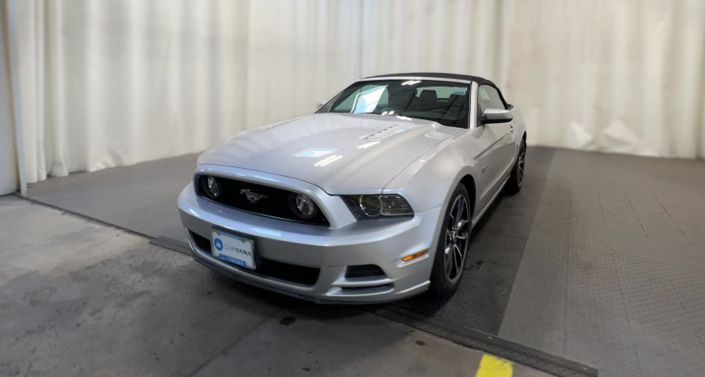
[303,206]
[372,206]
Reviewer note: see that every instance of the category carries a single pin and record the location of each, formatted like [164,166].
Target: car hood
[341,153]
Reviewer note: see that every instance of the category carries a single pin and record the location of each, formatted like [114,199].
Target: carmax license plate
[233,249]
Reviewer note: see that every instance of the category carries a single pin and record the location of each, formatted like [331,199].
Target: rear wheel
[452,245]
[516,179]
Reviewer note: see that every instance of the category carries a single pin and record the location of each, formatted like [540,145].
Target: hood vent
[384,133]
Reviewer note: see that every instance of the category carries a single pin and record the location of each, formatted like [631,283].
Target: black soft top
[439,75]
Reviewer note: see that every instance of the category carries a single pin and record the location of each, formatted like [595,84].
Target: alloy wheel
[456,240]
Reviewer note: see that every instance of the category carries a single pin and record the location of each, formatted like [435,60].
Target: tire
[452,247]
[516,179]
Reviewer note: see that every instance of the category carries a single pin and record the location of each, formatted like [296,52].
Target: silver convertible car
[370,199]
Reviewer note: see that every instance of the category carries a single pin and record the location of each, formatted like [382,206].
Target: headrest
[428,95]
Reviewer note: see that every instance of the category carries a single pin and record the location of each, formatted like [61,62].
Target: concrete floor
[598,260]
[81,298]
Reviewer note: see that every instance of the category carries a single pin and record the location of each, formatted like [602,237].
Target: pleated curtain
[106,83]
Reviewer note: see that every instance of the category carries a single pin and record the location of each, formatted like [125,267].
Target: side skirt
[477,218]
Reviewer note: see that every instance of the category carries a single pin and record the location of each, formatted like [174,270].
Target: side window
[488,98]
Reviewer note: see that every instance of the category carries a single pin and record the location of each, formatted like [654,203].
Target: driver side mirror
[490,116]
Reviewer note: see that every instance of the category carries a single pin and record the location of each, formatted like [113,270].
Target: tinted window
[443,102]
[489,98]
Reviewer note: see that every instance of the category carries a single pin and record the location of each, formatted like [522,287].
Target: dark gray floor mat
[140,198]
[612,273]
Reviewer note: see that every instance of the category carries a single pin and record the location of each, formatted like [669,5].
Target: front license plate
[233,249]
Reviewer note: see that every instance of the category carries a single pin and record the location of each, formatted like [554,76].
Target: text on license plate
[233,249]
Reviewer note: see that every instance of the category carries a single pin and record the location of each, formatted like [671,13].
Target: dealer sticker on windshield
[233,249]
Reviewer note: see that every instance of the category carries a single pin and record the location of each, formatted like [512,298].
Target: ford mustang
[370,199]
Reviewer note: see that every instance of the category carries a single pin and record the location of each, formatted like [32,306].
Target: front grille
[270,201]
[267,267]
[288,272]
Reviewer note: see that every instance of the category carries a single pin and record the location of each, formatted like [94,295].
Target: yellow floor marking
[491,366]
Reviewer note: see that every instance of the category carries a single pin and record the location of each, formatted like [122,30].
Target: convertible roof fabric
[478,79]
[439,75]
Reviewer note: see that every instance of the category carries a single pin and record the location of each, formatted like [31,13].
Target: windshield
[440,101]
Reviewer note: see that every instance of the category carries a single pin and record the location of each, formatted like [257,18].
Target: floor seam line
[78,214]
[572,368]
[96,221]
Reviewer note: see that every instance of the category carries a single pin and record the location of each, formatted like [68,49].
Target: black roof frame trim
[438,75]
[455,76]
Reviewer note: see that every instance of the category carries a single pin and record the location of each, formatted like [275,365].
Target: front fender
[428,181]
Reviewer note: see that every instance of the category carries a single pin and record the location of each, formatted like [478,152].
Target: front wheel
[516,179]
[452,245]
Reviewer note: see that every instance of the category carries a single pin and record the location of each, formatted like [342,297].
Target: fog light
[212,187]
[304,207]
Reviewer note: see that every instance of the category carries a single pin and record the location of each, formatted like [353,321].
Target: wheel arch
[469,182]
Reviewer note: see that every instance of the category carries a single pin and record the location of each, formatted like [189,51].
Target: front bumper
[329,250]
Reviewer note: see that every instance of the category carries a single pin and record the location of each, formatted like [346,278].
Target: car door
[495,146]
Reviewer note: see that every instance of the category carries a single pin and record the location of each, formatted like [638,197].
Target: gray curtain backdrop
[114,82]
